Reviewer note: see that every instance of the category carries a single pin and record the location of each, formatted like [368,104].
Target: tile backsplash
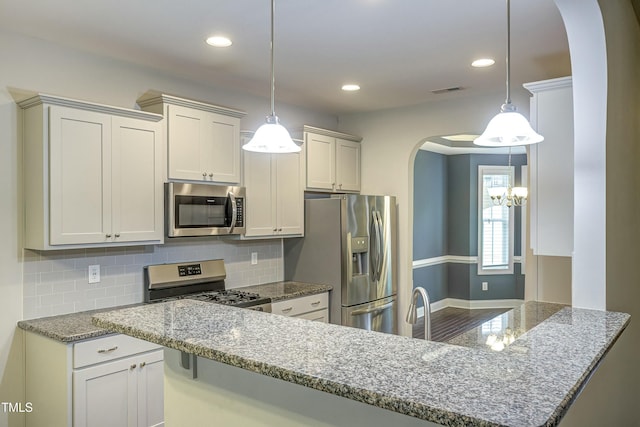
[56,282]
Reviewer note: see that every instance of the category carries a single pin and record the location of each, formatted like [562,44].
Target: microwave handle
[234,211]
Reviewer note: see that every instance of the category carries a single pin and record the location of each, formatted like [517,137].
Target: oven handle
[234,211]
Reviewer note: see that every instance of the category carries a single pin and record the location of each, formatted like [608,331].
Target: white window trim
[484,170]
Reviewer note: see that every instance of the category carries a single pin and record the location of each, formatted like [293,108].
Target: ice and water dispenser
[359,256]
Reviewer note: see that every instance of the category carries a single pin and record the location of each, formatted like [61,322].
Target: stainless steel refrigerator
[350,243]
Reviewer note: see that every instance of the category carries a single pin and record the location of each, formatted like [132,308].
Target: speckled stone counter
[279,291]
[503,329]
[531,382]
[66,327]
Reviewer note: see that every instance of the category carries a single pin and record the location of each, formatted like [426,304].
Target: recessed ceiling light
[483,62]
[350,87]
[219,41]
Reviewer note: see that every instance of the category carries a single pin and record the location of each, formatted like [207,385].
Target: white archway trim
[585,31]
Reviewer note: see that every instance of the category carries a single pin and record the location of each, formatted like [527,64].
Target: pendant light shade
[272,137]
[508,128]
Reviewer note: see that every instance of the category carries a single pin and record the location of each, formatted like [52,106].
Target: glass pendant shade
[271,137]
[508,128]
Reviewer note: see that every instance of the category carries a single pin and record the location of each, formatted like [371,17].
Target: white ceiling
[397,50]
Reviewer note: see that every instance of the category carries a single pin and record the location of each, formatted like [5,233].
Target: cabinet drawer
[316,316]
[108,348]
[296,306]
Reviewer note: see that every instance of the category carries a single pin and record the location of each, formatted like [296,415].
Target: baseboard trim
[471,305]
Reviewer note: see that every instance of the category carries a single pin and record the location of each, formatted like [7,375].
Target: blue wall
[446,223]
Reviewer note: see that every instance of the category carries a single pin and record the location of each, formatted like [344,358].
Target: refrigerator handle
[348,260]
[380,244]
[374,311]
[374,247]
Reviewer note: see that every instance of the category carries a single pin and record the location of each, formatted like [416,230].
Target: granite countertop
[74,327]
[503,329]
[67,328]
[279,291]
[531,382]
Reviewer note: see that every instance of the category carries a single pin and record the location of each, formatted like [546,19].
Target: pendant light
[508,128]
[272,137]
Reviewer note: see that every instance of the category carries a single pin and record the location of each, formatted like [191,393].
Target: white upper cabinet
[332,161]
[92,175]
[275,194]
[203,140]
[551,167]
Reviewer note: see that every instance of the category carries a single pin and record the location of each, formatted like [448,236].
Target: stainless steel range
[200,280]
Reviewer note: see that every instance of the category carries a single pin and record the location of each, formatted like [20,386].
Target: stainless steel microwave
[204,209]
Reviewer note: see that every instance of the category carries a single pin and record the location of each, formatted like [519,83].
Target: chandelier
[509,196]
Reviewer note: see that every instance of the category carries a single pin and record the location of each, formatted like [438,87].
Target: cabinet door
[106,395]
[289,194]
[347,165]
[203,145]
[151,389]
[80,186]
[220,148]
[321,154]
[186,128]
[137,191]
[260,210]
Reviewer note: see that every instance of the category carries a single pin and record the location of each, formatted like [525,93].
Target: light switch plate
[254,258]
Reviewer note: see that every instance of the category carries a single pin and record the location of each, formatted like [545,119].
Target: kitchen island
[230,366]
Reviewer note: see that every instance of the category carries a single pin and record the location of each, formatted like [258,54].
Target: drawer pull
[315,303]
[108,350]
[286,310]
[132,367]
[143,364]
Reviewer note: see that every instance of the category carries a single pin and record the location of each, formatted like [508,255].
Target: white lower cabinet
[312,307]
[111,381]
[125,392]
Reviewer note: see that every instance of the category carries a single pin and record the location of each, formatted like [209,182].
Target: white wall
[38,66]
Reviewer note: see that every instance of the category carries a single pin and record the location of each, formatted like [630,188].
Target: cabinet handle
[340,186]
[286,310]
[108,350]
[279,229]
[108,236]
[333,185]
[117,234]
[132,367]
[275,229]
[315,303]
[143,364]
[204,174]
[211,175]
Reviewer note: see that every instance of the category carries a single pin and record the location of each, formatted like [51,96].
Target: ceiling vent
[446,90]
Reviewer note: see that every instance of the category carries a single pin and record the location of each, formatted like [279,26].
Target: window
[495,222]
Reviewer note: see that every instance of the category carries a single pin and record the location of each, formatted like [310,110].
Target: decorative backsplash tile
[56,282]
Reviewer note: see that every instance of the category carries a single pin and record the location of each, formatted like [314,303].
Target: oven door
[379,315]
[204,210]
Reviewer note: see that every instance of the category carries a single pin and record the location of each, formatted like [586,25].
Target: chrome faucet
[412,315]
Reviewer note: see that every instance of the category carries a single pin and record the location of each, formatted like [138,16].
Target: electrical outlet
[254,258]
[485,286]
[94,273]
